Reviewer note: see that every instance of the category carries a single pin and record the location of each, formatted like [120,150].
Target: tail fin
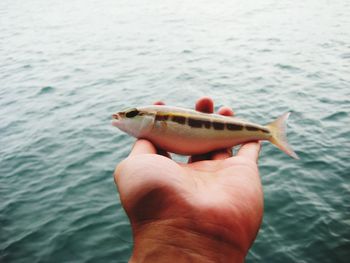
[279,138]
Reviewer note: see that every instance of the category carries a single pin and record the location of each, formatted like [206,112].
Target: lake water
[66,66]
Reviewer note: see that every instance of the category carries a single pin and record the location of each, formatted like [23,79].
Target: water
[65,66]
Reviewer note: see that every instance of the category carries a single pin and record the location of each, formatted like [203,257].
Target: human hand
[208,210]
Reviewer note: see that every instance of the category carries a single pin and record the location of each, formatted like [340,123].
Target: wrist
[170,239]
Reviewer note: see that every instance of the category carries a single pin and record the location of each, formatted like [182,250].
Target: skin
[207,210]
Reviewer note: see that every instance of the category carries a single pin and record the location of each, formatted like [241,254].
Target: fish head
[133,121]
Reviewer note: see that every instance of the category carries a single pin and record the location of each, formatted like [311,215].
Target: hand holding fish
[203,211]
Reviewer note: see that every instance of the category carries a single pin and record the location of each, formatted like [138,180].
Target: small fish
[189,132]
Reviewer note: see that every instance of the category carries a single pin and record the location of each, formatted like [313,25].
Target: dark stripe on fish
[252,128]
[195,123]
[179,119]
[198,123]
[265,130]
[234,127]
[207,124]
[218,125]
[161,117]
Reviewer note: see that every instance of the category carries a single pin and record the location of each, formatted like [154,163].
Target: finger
[143,147]
[205,104]
[250,151]
[223,153]
[159,103]
[226,111]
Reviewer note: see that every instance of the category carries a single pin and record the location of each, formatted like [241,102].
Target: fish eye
[132,113]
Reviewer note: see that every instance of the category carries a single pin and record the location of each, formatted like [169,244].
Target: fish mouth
[116,116]
[116,119]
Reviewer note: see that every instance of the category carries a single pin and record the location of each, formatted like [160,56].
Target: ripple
[46,90]
[288,67]
[337,116]
[186,51]
[265,50]
[345,55]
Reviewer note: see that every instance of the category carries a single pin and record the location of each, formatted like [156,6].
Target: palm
[222,196]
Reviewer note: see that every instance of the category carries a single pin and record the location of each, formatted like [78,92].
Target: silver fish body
[188,132]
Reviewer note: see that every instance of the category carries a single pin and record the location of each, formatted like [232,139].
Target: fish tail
[279,137]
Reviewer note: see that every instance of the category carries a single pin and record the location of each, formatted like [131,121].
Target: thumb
[250,151]
[143,147]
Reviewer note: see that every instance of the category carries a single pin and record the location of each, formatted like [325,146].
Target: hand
[208,210]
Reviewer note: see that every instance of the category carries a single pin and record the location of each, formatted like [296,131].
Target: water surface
[66,66]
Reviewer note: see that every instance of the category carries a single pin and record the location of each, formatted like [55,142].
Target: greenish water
[65,66]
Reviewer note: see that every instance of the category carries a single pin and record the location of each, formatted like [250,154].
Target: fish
[189,132]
